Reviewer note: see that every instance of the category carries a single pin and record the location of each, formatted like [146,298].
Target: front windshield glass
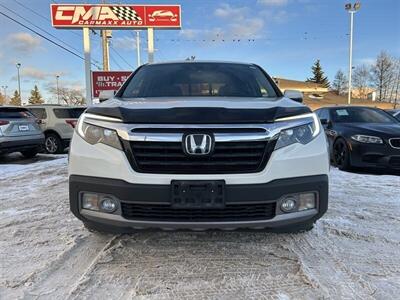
[360,115]
[199,79]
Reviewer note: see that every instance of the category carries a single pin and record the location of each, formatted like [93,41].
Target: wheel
[53,144]
[101,228]
[297,228]
[341,154]
[29,153]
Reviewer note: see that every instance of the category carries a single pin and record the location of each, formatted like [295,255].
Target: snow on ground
[45,253]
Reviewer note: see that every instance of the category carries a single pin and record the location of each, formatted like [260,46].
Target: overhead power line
[121,57]
[34,25]
[71,31]
[44,17]
[44,37]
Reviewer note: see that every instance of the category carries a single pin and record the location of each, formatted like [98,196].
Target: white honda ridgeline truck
[199,145]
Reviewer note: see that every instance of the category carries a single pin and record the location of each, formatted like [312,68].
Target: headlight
[94,134]
[368,139]
[302,134]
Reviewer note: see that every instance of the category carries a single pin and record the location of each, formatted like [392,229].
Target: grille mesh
[156,212]
[228,157]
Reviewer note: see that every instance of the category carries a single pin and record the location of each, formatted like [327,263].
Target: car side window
[39,113]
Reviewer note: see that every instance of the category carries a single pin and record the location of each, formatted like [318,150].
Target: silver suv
[58,123]
[19,131]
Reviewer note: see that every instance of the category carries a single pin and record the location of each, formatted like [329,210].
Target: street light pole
[58,91]
[352,10]
[18,65]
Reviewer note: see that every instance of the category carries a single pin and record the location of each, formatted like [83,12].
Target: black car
[395,113]
[361,137]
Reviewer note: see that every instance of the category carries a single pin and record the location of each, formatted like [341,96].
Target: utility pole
[106,52]
[138,47]
[18,65]
[352,10]
[58,90]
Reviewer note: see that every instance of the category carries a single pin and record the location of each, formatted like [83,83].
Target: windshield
[199,79]
[360,115]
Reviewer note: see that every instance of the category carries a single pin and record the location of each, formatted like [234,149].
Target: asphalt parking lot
[47,254]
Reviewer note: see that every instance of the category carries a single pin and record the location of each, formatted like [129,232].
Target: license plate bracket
[198,194]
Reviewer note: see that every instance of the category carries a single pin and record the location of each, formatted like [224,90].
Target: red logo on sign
[108,81]
[115,16]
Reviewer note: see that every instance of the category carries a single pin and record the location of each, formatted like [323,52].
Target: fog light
[288,204]
[108,204]
[306,201]
[90,201]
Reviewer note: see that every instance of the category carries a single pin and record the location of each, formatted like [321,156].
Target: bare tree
[395,93]
[339,84]
[361,80]
[69,96]
[382,74]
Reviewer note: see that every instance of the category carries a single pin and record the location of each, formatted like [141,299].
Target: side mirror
[324,121]
[294,95]
[105,95]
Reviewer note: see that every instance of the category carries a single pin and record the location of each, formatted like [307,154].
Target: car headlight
[95,134]
[302,134]
[368,139]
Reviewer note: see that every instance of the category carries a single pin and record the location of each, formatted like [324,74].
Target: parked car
[395,113]
[19,131]
[58,123]
[199,145]
[361,137]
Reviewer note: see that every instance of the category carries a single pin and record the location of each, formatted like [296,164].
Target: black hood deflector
[198,115]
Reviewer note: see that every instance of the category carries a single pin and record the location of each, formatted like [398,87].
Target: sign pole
[86,51]
[150,44]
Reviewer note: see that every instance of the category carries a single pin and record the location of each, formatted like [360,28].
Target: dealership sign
[115,16]
[108,81]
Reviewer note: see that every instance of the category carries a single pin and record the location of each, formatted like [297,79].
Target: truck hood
[199,110]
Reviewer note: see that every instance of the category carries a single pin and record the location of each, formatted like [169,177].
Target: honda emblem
[198,144]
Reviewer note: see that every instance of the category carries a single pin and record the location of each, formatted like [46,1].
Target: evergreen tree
[15,99]
[36,97]
[3,99]
[319,76]
[340,83]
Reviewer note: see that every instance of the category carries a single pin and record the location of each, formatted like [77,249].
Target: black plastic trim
[234,194]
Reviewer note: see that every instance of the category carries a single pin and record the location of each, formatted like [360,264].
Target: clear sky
[283,36]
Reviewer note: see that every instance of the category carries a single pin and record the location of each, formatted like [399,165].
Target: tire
[30,153]
[53,144]
[297,228]
[341,155]
[105,229]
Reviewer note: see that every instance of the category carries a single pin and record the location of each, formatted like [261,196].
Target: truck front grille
[237,212]
[227,157]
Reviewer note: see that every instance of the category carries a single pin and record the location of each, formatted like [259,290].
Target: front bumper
[246,194]
[20,143]
[374,155]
